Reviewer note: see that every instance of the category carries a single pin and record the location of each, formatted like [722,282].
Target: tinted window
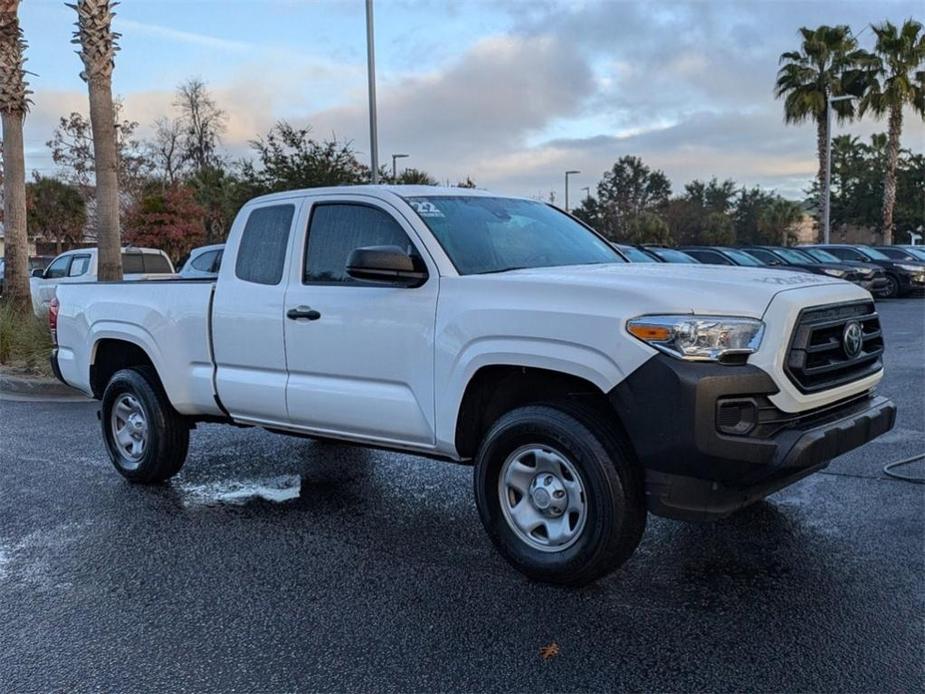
[742,258]
[669,255]
[634,255]
[132,264]
[79,265]
[204,262]
[846,254]
[822,256]
[485,234]
[157,264]
[217,265]
[873,253]
[262,249]
[58,268]
[338,229]
[764,256]
[709,257]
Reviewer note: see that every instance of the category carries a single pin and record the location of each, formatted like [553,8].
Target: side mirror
[38,273]
[386,264]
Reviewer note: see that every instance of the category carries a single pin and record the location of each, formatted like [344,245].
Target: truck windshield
[487,234]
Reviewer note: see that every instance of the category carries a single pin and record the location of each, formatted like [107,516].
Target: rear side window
[262,249]
[132,264]
[337,230]
[846,253]
[79,265]
[204,262]
[156,263]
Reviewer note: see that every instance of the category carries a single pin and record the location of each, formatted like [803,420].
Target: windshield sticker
[425,208]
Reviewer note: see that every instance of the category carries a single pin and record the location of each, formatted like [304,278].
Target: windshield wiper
[503,269]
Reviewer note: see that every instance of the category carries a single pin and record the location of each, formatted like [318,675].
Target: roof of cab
[382,191]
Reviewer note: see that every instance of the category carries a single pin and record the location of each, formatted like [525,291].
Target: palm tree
[825,66]
[14,102]
[896,80]
[97,50]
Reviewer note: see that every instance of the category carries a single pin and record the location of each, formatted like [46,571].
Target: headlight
[698,338]
[910,268]
[835,272]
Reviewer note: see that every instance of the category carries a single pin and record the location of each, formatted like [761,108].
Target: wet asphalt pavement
[279,564]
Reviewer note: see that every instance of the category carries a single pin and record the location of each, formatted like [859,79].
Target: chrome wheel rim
[542,498]
[129,428]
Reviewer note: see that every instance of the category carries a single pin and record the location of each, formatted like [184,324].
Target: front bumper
[701,464]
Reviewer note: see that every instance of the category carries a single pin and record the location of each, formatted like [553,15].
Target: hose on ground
[887,469]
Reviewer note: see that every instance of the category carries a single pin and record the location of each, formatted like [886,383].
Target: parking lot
[280,564]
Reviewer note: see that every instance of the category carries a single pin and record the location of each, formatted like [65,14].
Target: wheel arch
[112,354]
[496,389]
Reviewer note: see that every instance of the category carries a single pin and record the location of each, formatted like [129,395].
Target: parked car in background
[36,262]
[913,253]
[80,265]
[871,279]
[722,255]
[669,255]
[202,262]
[902,276]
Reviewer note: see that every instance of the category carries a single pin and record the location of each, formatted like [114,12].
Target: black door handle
[302,312]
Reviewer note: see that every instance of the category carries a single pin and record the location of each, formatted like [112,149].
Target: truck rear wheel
[147,440]
[559,494]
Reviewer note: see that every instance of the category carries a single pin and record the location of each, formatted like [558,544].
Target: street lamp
[394,157]
[371,78]
[827,184]
[567,174]
[587,190]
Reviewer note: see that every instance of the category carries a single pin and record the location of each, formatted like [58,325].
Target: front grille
[818,359]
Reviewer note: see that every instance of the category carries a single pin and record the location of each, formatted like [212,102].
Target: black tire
[166,435]
[616,513]
[892,287]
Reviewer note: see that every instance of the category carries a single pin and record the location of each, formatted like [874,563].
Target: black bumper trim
[55,369]
[668,408]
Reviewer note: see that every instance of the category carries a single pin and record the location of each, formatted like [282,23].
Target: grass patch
[25,341]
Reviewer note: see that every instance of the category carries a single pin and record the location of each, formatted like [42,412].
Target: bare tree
[14,103]
[202,123]
[97,51]
[166,150]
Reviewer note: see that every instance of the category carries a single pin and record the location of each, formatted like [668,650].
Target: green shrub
[25,341]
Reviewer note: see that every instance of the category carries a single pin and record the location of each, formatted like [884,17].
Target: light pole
[827,184]
[371,77]
[587,190]
[394,170]
[567,174]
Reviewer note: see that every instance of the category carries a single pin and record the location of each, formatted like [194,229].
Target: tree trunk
[108,235]
[822,136]
[16,251]
[889,182]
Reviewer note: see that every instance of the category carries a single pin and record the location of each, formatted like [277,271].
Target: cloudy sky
[510,92]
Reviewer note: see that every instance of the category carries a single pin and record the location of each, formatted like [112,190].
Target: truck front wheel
[559,493]
[147,440]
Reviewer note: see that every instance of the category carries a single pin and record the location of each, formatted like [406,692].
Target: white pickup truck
[470,327]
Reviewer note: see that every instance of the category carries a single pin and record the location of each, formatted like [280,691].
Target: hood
[669,287]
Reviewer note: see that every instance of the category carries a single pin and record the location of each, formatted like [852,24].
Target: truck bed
[168,318]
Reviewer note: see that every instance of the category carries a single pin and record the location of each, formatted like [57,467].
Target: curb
[36,386]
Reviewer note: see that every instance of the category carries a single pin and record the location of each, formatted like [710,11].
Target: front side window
[337,229]
[634,255]
[873,254]
[79,265]
[58,268]
[764,256]
[263,244]
[792,256]
[487,234]
[847,254]
[669,255]
[709,257]
[742,258]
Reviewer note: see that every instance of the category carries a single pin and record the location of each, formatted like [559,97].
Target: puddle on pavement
[239,492]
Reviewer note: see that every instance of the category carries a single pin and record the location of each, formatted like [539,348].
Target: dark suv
[902,276]
[721,255]
[871,277]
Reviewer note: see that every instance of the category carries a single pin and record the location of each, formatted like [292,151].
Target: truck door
[247,314]
[362,365]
